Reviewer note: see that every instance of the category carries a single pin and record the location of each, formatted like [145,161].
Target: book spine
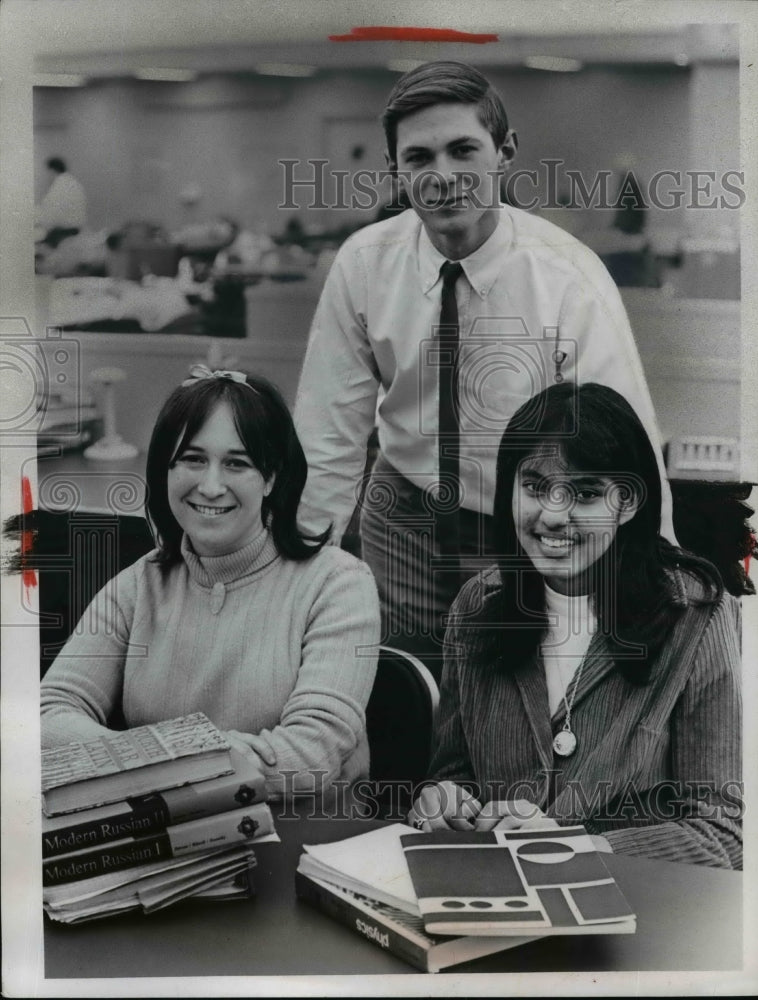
[140,819]
[371,927]
[146,814]
[208,833]
[105,859]
[203,798]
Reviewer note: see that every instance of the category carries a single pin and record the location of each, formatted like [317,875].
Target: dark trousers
[417,583]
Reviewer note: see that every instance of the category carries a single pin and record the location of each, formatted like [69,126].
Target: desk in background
[154,364]
[688,919]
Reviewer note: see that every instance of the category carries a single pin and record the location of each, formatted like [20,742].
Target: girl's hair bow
[199,372]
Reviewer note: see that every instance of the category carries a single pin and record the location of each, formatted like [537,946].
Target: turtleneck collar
[250,559]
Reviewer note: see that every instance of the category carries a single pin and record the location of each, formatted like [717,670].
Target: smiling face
[214,490]
[449,167]
[565,519]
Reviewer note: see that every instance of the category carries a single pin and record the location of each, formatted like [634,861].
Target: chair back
[400,720]
[75,554]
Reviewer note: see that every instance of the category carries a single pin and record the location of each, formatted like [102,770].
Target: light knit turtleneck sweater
[567,640]
[282,649]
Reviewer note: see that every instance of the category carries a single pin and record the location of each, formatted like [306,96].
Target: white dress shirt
[529,287]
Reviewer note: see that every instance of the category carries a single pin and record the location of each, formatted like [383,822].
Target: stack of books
[139,819]
[440,899]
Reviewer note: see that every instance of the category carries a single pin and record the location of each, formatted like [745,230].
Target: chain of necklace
[564,742]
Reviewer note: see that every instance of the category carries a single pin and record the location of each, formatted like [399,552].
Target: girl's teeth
[556,543]
[211,510]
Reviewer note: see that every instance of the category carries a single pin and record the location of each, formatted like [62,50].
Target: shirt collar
[211,570]
[481,267]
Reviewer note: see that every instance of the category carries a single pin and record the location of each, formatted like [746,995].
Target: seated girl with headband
[236,613]
[593,675]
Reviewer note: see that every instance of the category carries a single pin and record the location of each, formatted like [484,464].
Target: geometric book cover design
[512,882]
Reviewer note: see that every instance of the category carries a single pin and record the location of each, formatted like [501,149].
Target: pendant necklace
[564,742]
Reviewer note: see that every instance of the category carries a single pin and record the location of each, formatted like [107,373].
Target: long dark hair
[594,429]
[266,429]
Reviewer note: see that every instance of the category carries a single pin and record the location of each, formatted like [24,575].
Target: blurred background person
[62,212]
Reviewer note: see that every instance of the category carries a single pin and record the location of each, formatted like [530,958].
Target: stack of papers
[216,874]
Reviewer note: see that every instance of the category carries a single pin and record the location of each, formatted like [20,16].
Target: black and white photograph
[379,488]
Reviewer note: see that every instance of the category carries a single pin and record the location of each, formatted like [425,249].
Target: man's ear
[508,149]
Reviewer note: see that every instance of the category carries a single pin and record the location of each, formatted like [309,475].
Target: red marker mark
[27,539]
[379,34]
[753,548]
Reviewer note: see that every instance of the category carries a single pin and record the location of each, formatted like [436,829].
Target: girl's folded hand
[444,806]
[245,742]
[511,814]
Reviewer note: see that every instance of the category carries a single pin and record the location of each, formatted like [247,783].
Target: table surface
[689,918]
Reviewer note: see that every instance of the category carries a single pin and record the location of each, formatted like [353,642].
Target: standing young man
[459,309]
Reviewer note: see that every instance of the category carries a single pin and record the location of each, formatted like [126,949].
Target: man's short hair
[438,83]
[57,164]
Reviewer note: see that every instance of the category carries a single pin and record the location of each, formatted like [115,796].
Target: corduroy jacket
[657,768]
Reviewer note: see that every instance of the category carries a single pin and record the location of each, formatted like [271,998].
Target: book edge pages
[108,743]
[436,954]
[125,784]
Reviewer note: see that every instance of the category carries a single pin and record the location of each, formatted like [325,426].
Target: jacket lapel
[532,686]
[598,662]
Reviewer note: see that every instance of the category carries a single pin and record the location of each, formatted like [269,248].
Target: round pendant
[564,743]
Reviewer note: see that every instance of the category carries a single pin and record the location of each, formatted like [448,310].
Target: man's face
[449,167]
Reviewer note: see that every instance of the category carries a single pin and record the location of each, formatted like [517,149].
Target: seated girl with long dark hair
[236,613]
[593,675]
